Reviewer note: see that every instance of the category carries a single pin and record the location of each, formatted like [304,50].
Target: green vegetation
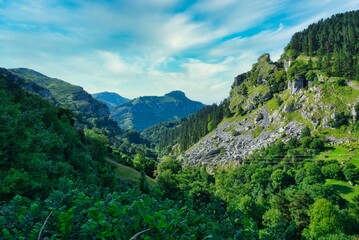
[131,175]
[61,179]
[346,190]
[333,41]
[257,131]
[68,95]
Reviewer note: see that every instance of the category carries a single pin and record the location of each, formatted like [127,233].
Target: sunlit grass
[346,190]
[130,175]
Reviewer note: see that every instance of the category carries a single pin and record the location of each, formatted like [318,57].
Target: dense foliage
[334,41]
[41,151]
[278,193]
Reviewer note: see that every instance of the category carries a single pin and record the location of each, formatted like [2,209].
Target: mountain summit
[143,112]
[177,94]
[111,99]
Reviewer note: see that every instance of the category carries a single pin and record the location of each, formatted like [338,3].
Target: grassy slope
[341,154]
[346,190]
[130,175]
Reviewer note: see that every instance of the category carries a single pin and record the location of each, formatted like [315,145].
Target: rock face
[252,133]
[355,112]
[239,80]
[143,112]
[296,85]
[261,114]
[65,94]
[286,64]
[264,124]
[29,86]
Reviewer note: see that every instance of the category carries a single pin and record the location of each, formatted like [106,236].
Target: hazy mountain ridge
[143,112]
[111,99]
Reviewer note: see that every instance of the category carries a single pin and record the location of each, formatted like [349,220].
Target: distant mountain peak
[176,94]
[111,99]
[146,111]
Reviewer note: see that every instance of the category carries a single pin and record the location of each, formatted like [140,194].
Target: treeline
[186,132]
[334,41]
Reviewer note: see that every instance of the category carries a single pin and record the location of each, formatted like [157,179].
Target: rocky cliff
[276,101]
[28,85]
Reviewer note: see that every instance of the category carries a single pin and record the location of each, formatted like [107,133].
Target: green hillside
[68,95]
[130,175]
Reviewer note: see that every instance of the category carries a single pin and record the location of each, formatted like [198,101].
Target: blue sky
[151,47]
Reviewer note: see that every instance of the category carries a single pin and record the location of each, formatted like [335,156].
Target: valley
[278,158]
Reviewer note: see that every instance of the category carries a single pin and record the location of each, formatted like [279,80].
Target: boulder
[355,112]
[296,85]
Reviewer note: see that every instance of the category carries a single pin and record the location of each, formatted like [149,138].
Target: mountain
[66,94]
[143,112]
[111,99]
[275,101]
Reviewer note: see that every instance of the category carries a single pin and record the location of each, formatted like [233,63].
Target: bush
[340,82]
[339,120]
[351,172]
[234,132]
[332,171]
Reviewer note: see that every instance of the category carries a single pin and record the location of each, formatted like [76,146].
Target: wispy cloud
[145,47]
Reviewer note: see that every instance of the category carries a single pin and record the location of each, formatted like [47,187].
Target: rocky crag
[276,100]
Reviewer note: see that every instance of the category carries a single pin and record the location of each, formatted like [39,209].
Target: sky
[151,47]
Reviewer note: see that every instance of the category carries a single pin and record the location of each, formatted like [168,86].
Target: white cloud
[197,68]
[145,47]
[115,64]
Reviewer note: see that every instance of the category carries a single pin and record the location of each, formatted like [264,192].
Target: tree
[276,226]
[279,179]
[351,172]
[139,162]
[325,219]
[332,171]
[97,143]
[305,132]
[143,185]
[169,163]
[210,126]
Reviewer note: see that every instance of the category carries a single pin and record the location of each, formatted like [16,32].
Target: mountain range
[137,114]
[143,112]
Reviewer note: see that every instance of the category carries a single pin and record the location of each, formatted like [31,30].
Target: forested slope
[333,41]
